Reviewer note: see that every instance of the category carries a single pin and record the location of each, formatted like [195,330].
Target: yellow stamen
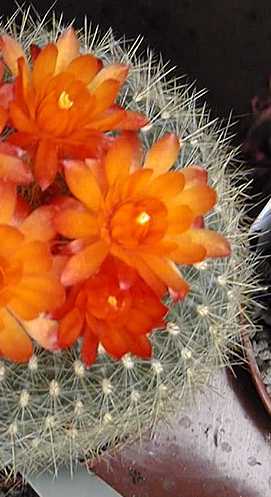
[64,101]
[112,301]
[143,218]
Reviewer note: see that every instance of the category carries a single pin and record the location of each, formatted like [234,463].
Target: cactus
[53,409]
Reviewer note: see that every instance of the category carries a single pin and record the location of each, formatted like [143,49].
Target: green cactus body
[55,411]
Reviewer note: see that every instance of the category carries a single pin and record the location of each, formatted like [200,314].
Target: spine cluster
[54,410]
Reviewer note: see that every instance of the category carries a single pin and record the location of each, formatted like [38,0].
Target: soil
[262,349]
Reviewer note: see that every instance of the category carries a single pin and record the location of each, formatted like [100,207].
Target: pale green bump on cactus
[53,410]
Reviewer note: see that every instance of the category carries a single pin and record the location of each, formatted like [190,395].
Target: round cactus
[54,410]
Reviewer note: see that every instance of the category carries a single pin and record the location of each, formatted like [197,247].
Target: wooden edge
[255,373]
[81,484]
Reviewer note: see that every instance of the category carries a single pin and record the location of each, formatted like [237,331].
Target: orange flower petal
[163,154]
[11,240]
[35,257]
[75,224]
[214,243]
[167,185]
[142,268]
[105,95]
[11,51]
[115,343]
[5,297]
[44,65]
[107,120]
[7,202]
[180,218]
[6,95]
[70,328]
[131,121]
[137,183]
[117,72]
[83,184]
[44,331]
[139,346]
[188,252]
[10,150]
[14,169]
[26,304]
[23,140]
[89,347]
[68,49]
[36,294]
[198,222]
[194,176]
[82,265]
[88,143]
[200,199]
[97,168]
[34,51]
[162,248]
[21,121]
[176,296]
[59,262]
[3,118]
[64,202]
[56,122]
[122,155]
[39,224]
[46,163]
[85,67]
[140,322]
[153,307]
[24,91]
[15,345]
[167,272]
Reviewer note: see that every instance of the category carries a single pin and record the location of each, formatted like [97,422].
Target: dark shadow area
[222,45]
[242,385]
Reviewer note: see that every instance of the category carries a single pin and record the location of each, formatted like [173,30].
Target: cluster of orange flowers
[97,255]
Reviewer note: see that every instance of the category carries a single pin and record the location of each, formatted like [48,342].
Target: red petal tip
[177,296]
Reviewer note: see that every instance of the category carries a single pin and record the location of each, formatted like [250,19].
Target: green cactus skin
[53,410]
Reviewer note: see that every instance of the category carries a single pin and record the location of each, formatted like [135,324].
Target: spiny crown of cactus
[74,400]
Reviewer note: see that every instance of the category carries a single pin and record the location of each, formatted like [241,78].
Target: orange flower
[115,308]
[29,284]
[143,215]
[6,95]
[63,106]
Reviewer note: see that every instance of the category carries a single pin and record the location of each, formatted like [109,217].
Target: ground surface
[221,447]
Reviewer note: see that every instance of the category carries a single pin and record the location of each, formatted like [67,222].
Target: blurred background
[224,45]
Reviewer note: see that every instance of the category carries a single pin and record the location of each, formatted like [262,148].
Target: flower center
[113,301]
[143,218]
[64,101]
[143,221]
